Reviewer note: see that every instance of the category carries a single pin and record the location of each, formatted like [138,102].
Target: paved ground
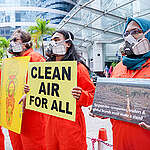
[93,125]
[7,140]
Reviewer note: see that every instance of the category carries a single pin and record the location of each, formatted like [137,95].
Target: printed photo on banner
[13,78]
[123,99]
[50,85]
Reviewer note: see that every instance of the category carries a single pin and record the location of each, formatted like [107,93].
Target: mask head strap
[143,35]
[69,37]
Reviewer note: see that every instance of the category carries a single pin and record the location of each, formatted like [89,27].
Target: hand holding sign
[23,101]
[26,88]
[23,98]
[144,125]
[93,115]
[76,92]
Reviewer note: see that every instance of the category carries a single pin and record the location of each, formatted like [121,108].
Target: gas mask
[57,48]
[15,47]
[131,46]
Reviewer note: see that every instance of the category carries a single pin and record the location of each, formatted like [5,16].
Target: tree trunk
[42,47]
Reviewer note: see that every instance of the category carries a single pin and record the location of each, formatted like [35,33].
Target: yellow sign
[50,85]
[13,78]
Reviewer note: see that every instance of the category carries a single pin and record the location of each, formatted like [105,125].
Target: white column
[98,57]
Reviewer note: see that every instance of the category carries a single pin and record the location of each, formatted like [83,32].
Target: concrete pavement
[93,126]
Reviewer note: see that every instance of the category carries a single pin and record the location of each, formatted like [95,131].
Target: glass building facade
[98,26]
[23,13]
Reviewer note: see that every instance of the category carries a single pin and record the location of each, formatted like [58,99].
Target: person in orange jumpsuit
[2,146]
[135,64]
[32,135]
[62,134]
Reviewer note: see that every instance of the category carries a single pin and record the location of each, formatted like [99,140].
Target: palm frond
[39,31]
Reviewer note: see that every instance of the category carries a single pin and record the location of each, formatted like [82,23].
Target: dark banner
[123,99]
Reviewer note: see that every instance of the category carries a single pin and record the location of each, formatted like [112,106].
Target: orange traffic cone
[102,136]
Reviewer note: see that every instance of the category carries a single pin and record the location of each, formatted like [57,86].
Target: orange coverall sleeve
[88,88]
[2,147]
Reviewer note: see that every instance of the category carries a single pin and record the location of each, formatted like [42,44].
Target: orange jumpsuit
[63,134]
[2,147]
[32,135]
[129,136]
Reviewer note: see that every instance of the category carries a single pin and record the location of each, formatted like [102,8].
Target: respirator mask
[133,46]
[57,47]
[16,47]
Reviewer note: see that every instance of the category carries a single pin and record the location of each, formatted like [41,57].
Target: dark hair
[71,52]
[25,37]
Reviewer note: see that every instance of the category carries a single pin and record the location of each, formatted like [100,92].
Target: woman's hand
[23,101]
[26,88]
[93,115]
[76,92]
[90,112]
[144,125]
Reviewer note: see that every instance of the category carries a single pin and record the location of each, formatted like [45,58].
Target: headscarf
[136,63]
[143,23]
